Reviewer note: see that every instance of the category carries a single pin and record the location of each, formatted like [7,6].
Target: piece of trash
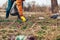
[22,37]
[41,18]
[54,16]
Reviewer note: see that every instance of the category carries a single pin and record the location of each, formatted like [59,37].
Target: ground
[44,28]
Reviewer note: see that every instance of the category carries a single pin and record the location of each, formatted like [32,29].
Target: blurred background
[39,23]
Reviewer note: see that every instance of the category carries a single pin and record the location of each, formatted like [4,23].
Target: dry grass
[43,29]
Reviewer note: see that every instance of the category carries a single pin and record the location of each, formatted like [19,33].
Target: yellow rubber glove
[23,18]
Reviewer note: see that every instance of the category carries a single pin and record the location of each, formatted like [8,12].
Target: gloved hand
[23,18]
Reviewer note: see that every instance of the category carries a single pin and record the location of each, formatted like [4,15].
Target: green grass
[5,20]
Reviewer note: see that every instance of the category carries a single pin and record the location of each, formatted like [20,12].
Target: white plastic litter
[20,37]
[41,18]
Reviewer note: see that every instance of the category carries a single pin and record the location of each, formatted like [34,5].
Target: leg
[18,13]
[18,16]
[10,3]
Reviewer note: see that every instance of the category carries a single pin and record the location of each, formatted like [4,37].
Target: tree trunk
[54,6]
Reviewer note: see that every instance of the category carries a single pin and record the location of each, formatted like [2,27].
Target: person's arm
[20,9]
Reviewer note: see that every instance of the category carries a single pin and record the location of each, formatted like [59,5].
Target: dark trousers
[9,6]
[10,3]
